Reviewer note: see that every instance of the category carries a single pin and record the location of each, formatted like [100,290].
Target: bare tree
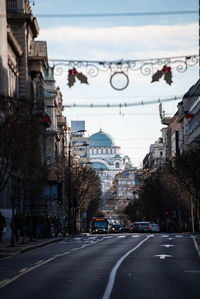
[85,190]
[185,170]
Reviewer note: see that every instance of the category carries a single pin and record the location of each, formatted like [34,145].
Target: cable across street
[120,105]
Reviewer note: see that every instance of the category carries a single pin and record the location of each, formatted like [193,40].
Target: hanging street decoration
[166,71]
[119,80]
[73,74]
[120,70]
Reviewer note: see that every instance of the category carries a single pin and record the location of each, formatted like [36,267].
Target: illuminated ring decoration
[118,77]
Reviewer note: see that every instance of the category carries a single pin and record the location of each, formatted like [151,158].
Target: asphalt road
[121,266]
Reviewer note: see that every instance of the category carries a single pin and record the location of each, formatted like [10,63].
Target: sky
[116,38]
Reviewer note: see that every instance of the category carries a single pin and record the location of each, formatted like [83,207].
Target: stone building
[57,143]
[107,160]
[22,65]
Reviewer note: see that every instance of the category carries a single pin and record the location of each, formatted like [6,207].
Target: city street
[116,266]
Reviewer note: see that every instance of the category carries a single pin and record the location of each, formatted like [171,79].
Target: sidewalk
[7,251]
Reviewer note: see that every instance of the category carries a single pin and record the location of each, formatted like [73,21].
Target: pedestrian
[16,227]
[57,226]
[2,225]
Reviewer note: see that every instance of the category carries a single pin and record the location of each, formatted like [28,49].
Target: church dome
[101,139]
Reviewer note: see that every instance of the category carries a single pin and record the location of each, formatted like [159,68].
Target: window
[117,165]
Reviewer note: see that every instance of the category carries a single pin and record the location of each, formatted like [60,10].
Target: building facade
[23,62]
[107,160]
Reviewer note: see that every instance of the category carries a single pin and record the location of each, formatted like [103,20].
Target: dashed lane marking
[6,282]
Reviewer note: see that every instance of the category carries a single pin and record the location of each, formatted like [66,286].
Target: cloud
[106,42]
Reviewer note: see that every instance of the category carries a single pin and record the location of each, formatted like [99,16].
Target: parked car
[155,227]
[141,227]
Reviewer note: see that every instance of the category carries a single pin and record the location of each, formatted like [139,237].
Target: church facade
[107,160]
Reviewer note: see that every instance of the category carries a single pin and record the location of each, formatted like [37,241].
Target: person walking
[2,225]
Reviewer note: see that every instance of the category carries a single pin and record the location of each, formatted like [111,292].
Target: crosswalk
[93,238]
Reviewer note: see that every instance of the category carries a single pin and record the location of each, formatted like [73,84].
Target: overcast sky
[116,38]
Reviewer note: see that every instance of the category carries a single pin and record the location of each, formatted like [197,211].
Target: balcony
[17,6]
[37,57]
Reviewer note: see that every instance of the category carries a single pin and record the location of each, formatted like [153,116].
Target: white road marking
[22,270]
[163,256]
[179,236]
[3,282]
[165,236]
[196,245]
[111,280]
[39,262]
[6,282]
[170,239]
[135,236]
[121,236]
[167,245]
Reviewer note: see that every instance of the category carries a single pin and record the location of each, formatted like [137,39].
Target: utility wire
[120,105]
[123,14]
[57,61]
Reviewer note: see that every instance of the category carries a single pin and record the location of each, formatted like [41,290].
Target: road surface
[120,266]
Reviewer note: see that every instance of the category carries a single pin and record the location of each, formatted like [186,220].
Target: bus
[99,225]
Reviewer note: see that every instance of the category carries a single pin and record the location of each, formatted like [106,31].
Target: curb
[29,248]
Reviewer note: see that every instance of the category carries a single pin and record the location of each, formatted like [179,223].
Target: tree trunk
[192,214]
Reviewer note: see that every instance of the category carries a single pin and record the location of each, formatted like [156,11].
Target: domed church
[105,157]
